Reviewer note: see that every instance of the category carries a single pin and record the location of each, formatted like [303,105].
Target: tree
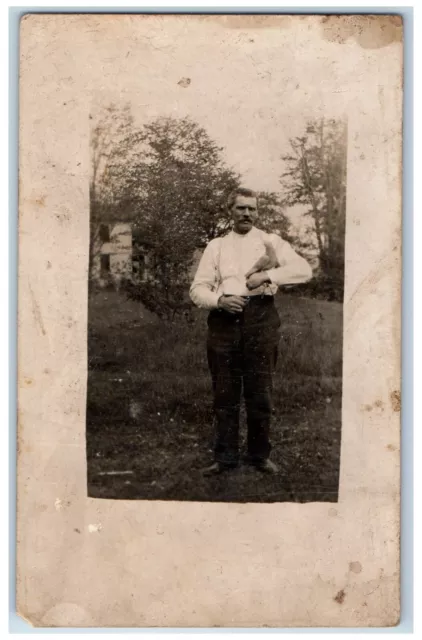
[109,143]
[271,216]
[169,180]
[178,185]
[315,176]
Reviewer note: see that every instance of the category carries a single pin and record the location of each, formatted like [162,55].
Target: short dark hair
[240,191]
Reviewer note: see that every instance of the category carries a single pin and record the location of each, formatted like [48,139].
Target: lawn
[149,418]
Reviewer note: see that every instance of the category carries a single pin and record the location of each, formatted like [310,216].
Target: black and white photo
[216,276]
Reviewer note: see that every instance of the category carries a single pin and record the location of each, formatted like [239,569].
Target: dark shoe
[216,468]
[266,466]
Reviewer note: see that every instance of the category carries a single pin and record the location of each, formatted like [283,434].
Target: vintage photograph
[216,278]
[209,320]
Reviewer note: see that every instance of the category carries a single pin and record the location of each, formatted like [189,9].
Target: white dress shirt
[226,260]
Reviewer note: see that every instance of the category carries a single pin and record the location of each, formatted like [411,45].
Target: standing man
[243,329]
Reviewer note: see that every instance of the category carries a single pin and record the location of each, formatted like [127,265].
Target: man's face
[244,213]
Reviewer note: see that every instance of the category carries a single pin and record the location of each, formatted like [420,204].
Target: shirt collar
[250,233]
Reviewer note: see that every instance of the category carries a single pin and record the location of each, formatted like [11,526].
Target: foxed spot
[395,397]
[332,512]
[391,447]
[355,567]
[40,202]
[62,217]
[28,381]
[370,31]
[340,596]
[378,404]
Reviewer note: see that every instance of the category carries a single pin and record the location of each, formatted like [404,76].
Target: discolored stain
[62,217]
[355,567]
[254,21]
[28,381]
[378,404]
[76,530]
[332,512]
[395,397]
[340,596]
[391,447]
[184,82]
[36,312]
[40,202]
[368,31]
[48,264]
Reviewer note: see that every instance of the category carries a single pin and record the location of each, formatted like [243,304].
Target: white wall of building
[112,261]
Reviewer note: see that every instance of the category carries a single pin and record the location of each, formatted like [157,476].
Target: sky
[251,88]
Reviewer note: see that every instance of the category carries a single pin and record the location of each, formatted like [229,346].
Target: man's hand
[232,304]
[257,279]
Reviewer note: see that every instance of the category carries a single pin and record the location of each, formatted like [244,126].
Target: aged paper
[84,561]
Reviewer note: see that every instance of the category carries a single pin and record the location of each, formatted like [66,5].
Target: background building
[118,255]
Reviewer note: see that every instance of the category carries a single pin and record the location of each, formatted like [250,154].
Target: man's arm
[293,268]
[201,291]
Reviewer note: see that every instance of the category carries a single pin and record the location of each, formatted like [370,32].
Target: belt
[263,298]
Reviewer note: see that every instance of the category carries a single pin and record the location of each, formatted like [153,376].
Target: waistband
[260,299]
[264,302]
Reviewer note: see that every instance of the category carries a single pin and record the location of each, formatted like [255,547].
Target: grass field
[149,419]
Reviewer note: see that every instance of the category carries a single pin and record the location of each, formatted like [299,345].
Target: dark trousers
[242,348]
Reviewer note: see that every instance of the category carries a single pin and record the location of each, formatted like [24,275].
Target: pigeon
[267,261]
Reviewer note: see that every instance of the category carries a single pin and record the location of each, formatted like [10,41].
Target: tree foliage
[315,177]
[169,180]
[108,144]
[111,142]
[271,215]
[180,183]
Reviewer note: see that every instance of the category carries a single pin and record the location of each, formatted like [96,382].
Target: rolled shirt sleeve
[293,268]
[203,291]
